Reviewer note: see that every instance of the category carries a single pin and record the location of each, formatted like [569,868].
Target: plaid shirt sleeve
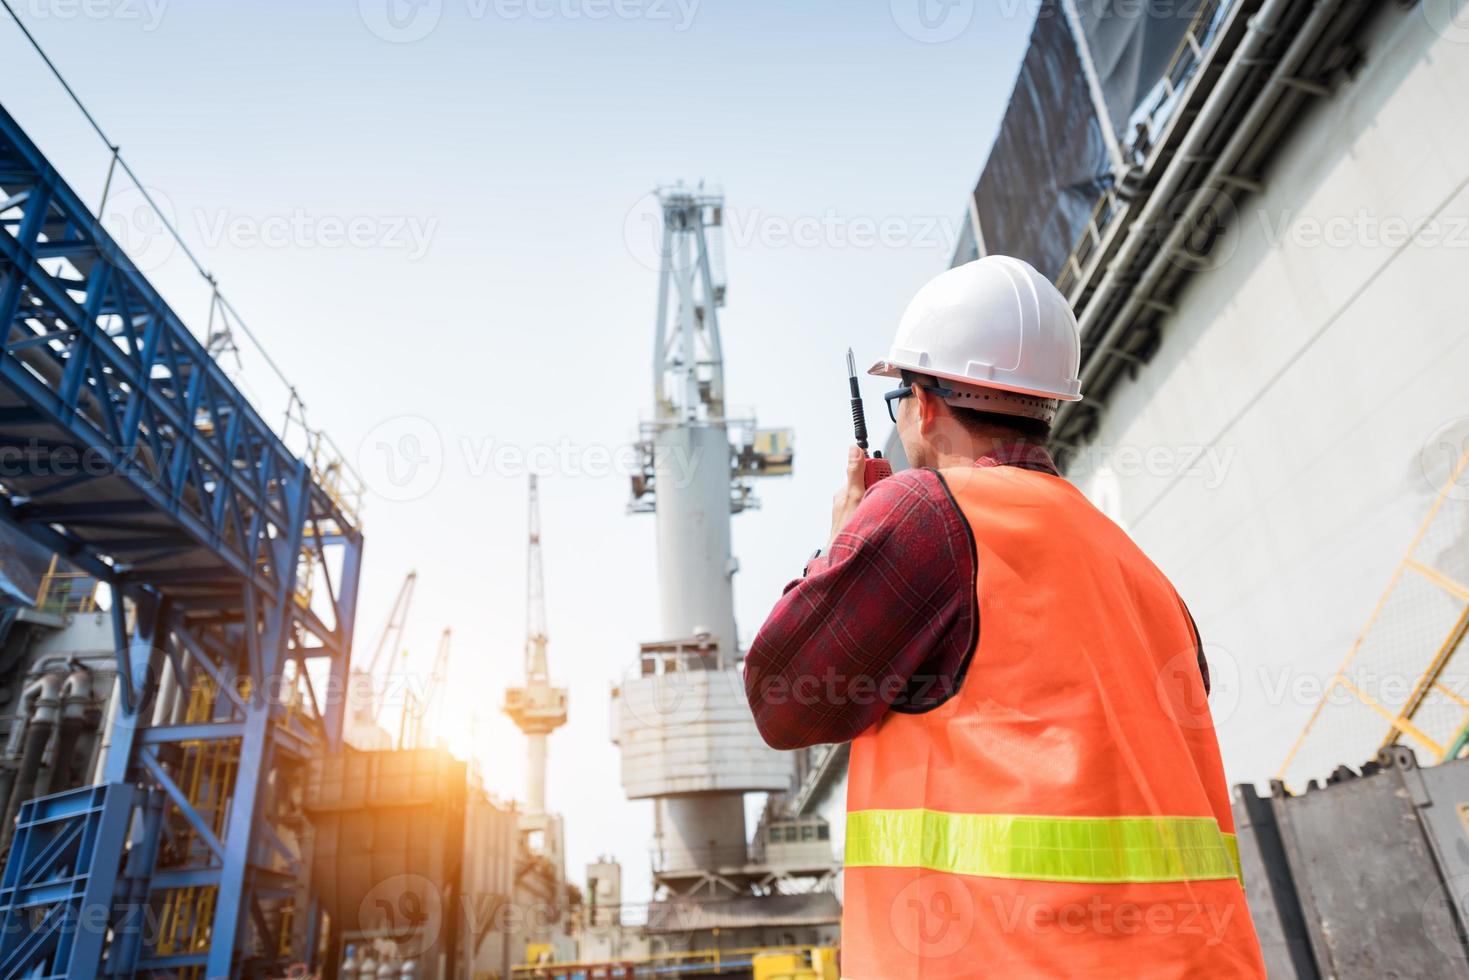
[882,622]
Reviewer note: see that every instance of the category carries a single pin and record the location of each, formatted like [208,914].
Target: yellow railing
[66,592]
[1400,679]
[330,469]
[207,776]
[661,962]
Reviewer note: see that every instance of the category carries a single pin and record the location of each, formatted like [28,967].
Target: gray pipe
[104,741]
[1262,26]
[28,695]
[1244,133]
[43,721]
[76,700]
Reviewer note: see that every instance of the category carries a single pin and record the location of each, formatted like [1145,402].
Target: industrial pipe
[45,698]
[1321,15]
[17,729]
[1247,58]
[76,702]
[104,741]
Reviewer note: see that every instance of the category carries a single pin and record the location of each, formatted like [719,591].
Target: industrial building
[1258,211]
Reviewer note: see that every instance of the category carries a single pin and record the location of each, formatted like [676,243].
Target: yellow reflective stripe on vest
[1086,849]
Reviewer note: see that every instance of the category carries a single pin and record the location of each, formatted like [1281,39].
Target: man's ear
[930,409]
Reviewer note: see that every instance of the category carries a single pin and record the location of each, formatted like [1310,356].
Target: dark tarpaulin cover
[1049,164]
[1131,44]
[23,564]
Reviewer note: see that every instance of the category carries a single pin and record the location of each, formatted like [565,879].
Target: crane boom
[438,678]
[536,667]
[391,637]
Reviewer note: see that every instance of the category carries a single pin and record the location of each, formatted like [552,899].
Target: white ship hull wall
[1278,453]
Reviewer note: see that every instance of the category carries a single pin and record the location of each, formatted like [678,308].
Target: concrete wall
[1320,369]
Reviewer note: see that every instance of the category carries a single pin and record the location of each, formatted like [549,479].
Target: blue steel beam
[143,465]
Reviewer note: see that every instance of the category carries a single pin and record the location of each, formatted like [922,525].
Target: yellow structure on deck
[1403,679]
[811,964]
[760,963]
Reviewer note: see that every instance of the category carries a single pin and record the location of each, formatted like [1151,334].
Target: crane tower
[538,708]
[686,735]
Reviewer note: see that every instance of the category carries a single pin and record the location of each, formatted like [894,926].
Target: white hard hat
[993,326]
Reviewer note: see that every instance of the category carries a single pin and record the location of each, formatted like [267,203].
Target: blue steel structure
[234,565]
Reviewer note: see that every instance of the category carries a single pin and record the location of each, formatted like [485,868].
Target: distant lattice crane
[369,702]
[418,708]
[537,708]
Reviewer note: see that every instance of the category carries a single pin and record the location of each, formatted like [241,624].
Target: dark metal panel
[1369,886]
[1446,820]
[1270,889]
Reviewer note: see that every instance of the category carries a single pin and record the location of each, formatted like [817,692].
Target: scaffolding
[1404,679]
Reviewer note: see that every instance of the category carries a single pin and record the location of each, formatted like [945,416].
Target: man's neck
[960,447]
[982,450]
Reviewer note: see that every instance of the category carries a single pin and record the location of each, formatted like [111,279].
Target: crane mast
[537,707]
[687,738]
[536,669]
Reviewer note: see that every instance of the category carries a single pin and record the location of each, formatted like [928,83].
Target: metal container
[1363,878]
[387,847]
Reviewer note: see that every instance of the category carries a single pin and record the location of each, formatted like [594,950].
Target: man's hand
[849,497]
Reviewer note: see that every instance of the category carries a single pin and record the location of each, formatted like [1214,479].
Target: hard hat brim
[893,369]
[885,369]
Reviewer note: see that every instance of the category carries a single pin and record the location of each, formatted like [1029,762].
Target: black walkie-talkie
[875,468]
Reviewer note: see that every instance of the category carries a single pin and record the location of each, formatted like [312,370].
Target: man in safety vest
[1035,788]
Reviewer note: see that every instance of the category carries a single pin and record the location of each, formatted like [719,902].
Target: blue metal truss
[49,888]
[126,449]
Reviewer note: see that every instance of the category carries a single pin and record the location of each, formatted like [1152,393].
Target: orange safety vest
[1064,812]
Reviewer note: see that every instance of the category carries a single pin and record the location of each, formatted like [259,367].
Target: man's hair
[989,424]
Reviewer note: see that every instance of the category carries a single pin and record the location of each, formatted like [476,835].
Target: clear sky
[428,210]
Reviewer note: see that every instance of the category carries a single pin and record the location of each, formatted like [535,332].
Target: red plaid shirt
[881,623]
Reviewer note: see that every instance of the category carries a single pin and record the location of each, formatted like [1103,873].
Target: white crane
[537,707]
